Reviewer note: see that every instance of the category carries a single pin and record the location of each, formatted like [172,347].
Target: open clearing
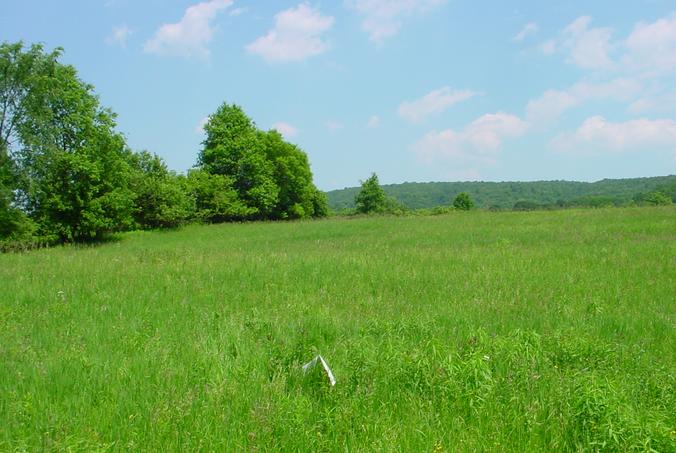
[472,331]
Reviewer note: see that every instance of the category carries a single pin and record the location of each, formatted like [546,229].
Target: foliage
[216,199]
[292,175]
[463,202]
[72,173]
[491,332]
[20,70]
[66,175]
[160,196]
[504,195]
[74,162]
[320,203]
[656,198]
[668,189]
[523,205]
[371,197]
[271,177]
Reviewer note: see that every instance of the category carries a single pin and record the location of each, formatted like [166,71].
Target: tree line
[67,174]
[372,199]
[519,195]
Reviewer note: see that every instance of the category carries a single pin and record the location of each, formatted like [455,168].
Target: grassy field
[542,331]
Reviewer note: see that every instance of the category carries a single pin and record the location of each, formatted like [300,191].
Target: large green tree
[21,70]
[233,148]
[72,171]
[271,177]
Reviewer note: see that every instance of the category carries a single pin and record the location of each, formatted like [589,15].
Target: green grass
[543,331]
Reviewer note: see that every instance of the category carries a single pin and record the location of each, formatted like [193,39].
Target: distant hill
[503,195]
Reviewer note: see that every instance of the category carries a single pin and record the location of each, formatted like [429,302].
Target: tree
[71,169]
[20,72]
[234,148]
[463,202]
[657,198]
[161,199]
[371,198]
[271,178]
[215,197]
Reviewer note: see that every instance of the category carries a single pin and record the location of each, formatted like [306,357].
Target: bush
[463,202]
[371,198]
[161,199]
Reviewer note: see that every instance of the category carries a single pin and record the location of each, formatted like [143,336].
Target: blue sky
[415,90]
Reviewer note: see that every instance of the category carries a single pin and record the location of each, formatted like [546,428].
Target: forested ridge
[508,195]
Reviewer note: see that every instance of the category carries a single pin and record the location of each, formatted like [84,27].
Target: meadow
[479,331]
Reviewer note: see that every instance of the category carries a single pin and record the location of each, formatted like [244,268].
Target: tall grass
[542,331]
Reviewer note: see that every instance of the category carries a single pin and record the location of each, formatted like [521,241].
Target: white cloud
[237,12]
[285,129]
[333,125]
[656,101]
[199,129]
[480,140]
[297,35]
[589,47]
[434,102]
[119,36]
[190,36]
[598,134]
[384,18]
[529,29]
[553,103]
[373,122]
[548,47]
[653,46]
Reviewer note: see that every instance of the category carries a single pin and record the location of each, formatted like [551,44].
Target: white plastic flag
[313,363]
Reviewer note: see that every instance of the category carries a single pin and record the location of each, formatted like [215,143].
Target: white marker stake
[312,363]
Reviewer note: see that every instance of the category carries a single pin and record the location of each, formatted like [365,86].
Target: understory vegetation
[480,331]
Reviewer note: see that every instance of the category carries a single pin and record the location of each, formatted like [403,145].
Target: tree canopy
[371,197]
[463,202]
[71,172]
[67,175]
[271,177]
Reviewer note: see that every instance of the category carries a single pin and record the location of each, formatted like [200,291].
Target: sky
[414,90]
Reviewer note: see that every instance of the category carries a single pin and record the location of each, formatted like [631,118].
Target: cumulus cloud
[653,46]
[650,49]
[432,103]
[119,36]
[373,122]
[529,29]
[598,134]
[383,19]
[552,103]
[190,36]
[480,140]
[297,35]
[587,47]
[285,129]
[658,101]
[642,66]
